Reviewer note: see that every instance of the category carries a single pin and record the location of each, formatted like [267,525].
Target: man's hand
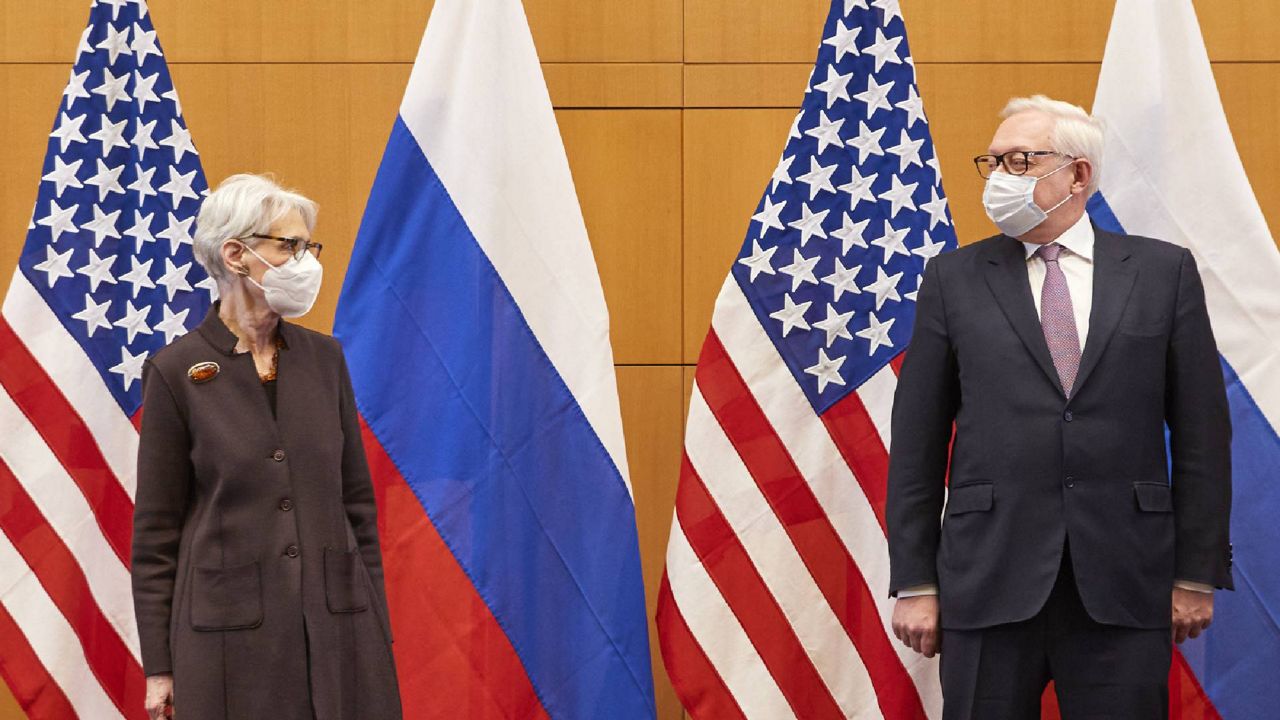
[915,623]
[159,696]
[1192,613]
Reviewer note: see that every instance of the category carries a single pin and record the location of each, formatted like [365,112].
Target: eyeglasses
[297,246]
[1014,162]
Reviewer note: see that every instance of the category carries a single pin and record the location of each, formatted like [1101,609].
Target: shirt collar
[1078,239]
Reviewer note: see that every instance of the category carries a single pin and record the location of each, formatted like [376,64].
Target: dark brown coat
[257,577]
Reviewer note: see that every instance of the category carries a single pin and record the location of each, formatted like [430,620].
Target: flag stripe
[774,557]
[32,686]
[851,429]
[499,464]
[54,642]
[533,235]
[448,642]
[738,580]
[63,360]
[47,556]
[829,477]
[61,505]
[719,633]
[806,523]
[68,438]
[705,695]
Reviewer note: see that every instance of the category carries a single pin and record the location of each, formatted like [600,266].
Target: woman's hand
[160,696]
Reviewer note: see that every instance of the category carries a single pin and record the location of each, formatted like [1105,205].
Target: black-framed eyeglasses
[1014,162]
[297,246]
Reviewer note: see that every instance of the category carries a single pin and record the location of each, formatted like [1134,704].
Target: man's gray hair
[241,206]
[1075,132]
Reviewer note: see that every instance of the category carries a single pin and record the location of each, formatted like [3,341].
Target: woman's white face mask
[292,287]
[1010,201]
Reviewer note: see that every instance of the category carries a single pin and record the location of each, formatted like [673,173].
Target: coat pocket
[1154,496]
[345,590]
[970,497]
[226,598]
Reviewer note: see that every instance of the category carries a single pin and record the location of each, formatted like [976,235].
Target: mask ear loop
[242,271]
[1070,195]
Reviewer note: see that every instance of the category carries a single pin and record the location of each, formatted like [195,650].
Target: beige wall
[673,113]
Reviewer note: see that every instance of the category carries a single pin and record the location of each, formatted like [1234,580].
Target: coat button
[1071,481]
[291,551]
[286,504]
[1067,416]
[278,456]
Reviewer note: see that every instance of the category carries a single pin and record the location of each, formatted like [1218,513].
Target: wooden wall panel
[27,114]
[626,166]
[728,157]
[345,31]
[969,31]
[652,418]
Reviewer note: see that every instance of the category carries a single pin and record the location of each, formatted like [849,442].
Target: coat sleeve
[160,506]
[924,407]
[1199,421]
[357,494]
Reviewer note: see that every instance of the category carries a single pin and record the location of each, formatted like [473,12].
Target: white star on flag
[94,315]
[792,315]
[877,333]
[801,269]
[98,270]
[130,366]
[850,234]
[827,370]
[55,265]
[809,224]
[769,215]
[836,86]
[835,325]
[760,260]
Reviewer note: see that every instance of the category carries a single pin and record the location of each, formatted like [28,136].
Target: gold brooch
[203,372]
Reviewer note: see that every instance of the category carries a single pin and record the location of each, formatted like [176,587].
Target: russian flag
[1171,171]
[477,337]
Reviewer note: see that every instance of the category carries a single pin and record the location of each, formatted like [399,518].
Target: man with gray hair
[1045,366]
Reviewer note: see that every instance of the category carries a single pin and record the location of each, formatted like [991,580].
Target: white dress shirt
[1076,262]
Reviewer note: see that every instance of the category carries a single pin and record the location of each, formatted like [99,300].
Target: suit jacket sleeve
[358,497]
[924,408]
[164,481]
[1200,439]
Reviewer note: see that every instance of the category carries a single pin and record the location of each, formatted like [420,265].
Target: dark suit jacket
[1030,468]
[256,572]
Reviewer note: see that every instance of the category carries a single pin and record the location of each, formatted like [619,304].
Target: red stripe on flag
[700,687]
[855,434]
[448,644]
[896,362]
[65,433]
[32,686]
[808,526]
[739,582]
[58,572]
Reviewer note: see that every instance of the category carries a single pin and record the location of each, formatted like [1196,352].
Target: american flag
[106,278]
[775,599]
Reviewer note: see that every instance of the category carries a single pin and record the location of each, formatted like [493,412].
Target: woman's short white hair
[241,206]
[1075,132]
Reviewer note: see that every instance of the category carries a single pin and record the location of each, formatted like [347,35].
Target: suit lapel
[1113,278]
[1006,274]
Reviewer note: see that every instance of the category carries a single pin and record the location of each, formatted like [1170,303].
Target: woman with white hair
[257,577]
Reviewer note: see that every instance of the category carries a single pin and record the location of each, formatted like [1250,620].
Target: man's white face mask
[1010,201]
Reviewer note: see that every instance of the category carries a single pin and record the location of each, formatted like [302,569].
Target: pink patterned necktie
[1058,319]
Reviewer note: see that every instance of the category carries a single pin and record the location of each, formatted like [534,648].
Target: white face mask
[292,287]
[1010,202]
